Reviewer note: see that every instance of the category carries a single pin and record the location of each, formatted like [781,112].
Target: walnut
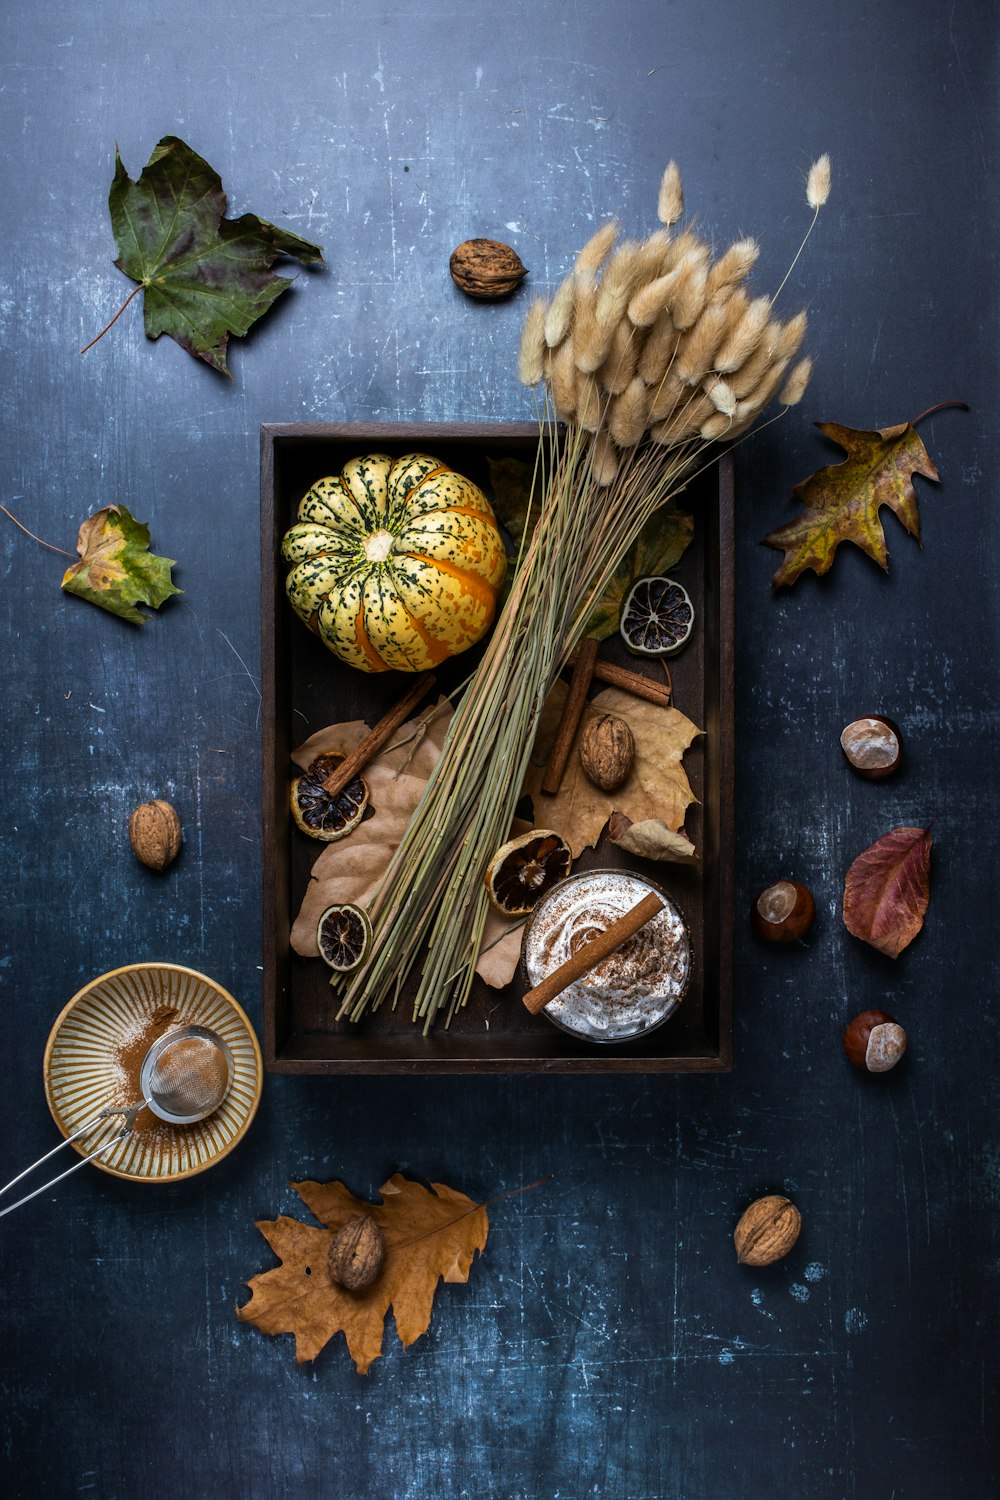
[154,831]
[767,1231]
[607,750]
[357,1254]
[486,269]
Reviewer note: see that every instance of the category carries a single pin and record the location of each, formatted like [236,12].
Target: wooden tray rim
[308,1060]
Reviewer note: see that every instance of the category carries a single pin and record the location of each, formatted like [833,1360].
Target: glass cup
[632,990]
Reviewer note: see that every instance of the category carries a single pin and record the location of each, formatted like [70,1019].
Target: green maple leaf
[203,276]
[841,502]
[116,568]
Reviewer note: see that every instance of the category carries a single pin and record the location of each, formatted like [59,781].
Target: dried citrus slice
[521,872]
[657,617]
[320,815]
[344,935]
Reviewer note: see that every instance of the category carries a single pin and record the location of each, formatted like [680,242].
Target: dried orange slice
[344,935]
[316,812]
[657,617]
[521,872]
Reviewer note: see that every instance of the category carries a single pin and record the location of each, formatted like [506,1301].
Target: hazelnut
[873,746]
[874,1042]
[486,269]
[783,912]
[154,831]
[607,750]
[767,1231]
[357,1254]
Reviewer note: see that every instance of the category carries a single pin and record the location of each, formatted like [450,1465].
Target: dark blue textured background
[607,1344]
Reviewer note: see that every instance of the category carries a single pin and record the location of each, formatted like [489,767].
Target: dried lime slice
[657,617]
[344,935]
[521,872]
[320,815]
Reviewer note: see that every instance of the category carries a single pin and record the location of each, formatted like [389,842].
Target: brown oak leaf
[429,1236]
[887,890]
[841,502]
[657,786]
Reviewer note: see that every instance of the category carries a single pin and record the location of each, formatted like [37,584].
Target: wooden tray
[304,688]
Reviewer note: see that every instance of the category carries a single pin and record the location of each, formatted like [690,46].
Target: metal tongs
[129,1111]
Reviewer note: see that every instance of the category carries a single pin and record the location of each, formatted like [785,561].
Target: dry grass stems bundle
[649,353]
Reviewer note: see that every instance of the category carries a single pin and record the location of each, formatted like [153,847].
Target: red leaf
[887,890]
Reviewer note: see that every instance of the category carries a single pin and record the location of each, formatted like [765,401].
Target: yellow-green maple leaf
[841,502]
[116,568]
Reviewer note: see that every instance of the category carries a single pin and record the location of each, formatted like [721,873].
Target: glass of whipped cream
[630,991]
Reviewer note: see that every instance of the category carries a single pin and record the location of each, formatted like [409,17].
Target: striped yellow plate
[83,1069]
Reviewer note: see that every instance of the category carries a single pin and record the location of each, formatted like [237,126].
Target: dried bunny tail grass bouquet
[654,344]
[650,352]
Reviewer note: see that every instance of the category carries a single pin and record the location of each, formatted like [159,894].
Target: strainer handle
[129,1113]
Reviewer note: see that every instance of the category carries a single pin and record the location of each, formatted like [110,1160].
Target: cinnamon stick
[583,671]
[590,954]
[377,737]
[632,682]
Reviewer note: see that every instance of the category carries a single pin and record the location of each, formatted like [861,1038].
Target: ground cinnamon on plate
[128,1057]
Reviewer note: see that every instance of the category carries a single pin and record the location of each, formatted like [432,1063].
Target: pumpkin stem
[378,546]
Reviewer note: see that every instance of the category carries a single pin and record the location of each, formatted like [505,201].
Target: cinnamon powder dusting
[128,1057]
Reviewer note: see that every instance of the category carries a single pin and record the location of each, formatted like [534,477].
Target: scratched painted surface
[607,1345]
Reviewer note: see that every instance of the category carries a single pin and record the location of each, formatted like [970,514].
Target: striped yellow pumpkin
[396,562]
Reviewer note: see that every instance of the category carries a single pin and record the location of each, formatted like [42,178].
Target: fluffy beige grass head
[559,317]
[618,283]
[629,414]
[689,298]
[670,201]
[818,182]
[740,343]
[649,301]
[563,378]
[531,358]
[619,366]
[795,386]
[732,267]
[597,248]
[658,350]
[605,461]
[696,350]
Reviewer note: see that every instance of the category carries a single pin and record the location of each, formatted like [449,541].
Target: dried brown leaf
[500,953]
[657,786]
[652,839]
[351,869]
[429,1236]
